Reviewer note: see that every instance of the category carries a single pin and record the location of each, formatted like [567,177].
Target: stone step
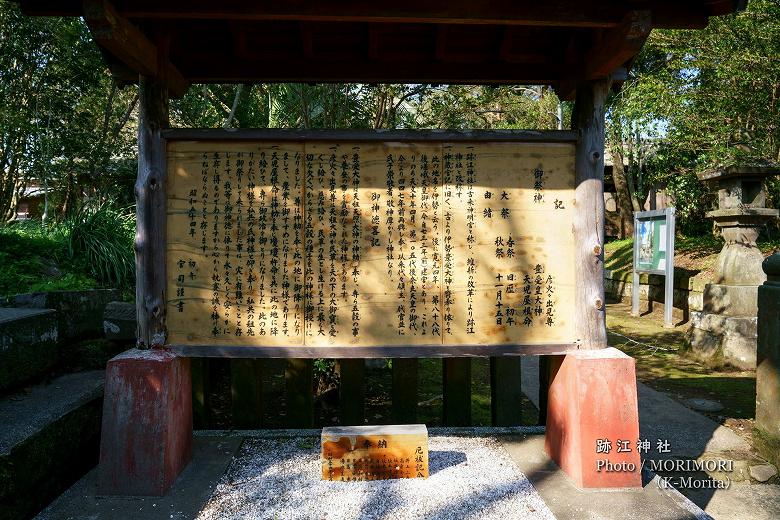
[79,313]
[28,344]
[50,438]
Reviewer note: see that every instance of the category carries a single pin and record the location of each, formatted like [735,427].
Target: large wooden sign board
[369,243]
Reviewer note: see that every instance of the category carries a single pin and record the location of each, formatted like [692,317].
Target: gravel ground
[281,479]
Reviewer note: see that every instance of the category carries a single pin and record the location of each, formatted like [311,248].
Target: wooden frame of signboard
[587,228]
[194,138]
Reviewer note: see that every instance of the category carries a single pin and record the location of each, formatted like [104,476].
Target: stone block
[28,345]
[733,338]
[49,440]
[695,301]
[768,363]
[119,321]
[79,313]
[592,404]
[147,423]
[731,300]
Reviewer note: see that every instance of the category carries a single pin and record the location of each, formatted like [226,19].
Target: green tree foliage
[63,122]
[698,100]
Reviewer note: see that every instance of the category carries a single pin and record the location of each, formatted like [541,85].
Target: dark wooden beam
[129,45]
[209,68]
[379,351]
[610,52]
[559,13]
[617,46]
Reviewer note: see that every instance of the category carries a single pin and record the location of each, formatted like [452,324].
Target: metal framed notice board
[654,254]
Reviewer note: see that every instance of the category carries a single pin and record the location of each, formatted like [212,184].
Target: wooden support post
[246,393]
[298,376]
[588,120]
[150,214]
[506,395]
[201,388]
[405,390]
[352,392]
[457,391]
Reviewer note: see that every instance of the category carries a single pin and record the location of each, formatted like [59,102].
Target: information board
[651,237]
[356,243]
[654,254]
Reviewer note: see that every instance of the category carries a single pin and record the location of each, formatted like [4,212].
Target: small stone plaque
[356,453]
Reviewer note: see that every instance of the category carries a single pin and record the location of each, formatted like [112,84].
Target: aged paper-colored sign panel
[357,453]
[370,243]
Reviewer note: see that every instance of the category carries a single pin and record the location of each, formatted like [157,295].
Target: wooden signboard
[356,453]
[315,243]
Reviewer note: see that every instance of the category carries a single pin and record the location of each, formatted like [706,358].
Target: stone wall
[688,290]
[79,313]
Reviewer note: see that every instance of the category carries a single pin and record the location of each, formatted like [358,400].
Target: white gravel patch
[281,479]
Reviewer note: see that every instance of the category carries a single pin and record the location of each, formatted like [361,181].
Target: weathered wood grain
[589,304]
[151,206]
[370,243]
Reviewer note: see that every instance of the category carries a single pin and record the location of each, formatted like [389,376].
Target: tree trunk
[623,193]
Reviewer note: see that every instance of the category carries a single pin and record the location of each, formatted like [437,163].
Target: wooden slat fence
[251,394]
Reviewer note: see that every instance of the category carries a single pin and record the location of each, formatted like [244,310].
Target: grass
[92,249]
[692,254]
[34,258]
[662,364]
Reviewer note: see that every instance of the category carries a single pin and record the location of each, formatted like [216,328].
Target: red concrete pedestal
[147,423]
[591,412]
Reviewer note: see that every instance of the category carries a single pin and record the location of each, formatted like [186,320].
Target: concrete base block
[592,411]
[147,423]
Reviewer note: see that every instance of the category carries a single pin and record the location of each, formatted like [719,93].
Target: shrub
[102,239]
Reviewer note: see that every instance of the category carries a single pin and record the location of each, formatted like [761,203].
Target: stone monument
[727,324]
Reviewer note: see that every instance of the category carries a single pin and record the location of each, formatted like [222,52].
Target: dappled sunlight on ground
[662,364]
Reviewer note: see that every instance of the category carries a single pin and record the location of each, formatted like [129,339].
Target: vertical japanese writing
[538,185]
[239,245]
[273,313]
[412,241]
[298,272]
[321,211]
[356,236]
[401,213]
[286,263]
[262,225]
[251,237]
[215,248]
[332,241]
[435,183]
[448,246]
[471,261]
[310,211]
[227,240]
[389,204]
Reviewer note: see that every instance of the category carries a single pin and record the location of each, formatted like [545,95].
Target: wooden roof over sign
[554,42]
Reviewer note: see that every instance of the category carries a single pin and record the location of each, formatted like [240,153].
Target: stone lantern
[727,323]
